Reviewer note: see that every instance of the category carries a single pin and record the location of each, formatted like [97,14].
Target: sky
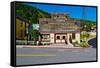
[73,11]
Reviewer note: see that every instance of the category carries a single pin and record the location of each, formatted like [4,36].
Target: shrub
[84,44]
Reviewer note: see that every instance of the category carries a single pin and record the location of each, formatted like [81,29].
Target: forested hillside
[30,13]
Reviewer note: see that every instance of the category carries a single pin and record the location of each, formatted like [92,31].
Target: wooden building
[59,29]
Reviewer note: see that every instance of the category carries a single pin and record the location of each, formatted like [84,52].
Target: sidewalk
[46,46]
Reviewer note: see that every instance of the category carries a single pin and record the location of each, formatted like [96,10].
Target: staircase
[62,45]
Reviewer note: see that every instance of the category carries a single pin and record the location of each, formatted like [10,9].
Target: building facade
[21,26]
[59,29]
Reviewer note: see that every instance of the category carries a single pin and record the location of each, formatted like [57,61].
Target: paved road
[93,42]
[27,56]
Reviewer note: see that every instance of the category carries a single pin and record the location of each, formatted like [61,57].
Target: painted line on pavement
[35,55]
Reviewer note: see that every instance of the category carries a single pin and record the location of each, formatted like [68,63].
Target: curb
[49,47]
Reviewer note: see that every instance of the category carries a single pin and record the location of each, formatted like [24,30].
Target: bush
[21,43]
[40,43]
[46,44]
[84,44]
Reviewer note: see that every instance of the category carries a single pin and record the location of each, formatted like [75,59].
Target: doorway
[60,38]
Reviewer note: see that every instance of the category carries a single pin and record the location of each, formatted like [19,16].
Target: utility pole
[84,27]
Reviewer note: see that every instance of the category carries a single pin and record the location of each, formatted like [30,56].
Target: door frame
[60,34]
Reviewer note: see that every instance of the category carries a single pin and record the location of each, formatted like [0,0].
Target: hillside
[86,24]
[30,13]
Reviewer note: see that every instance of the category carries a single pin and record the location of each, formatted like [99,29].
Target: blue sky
[73,11]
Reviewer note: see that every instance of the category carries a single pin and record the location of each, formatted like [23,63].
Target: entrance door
[60,38]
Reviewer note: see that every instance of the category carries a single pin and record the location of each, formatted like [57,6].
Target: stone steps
[62,45]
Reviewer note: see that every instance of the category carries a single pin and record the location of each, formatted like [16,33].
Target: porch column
[68,36]
[52,37]
[77,37]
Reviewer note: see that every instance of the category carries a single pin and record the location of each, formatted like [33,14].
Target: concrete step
[62,45]
[59,44]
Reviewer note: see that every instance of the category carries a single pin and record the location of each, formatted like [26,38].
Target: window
[73,35]
[58,37]
[63,37]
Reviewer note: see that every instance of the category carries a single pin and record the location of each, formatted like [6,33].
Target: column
[52,37]
[77,37]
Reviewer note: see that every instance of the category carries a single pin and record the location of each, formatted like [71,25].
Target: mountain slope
[30,13]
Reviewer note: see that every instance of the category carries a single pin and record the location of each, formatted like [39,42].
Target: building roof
[58,25]
[60,14]
[59,28]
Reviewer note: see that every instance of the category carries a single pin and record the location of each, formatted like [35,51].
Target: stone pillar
[51,37]
[77,37]
[68,36]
